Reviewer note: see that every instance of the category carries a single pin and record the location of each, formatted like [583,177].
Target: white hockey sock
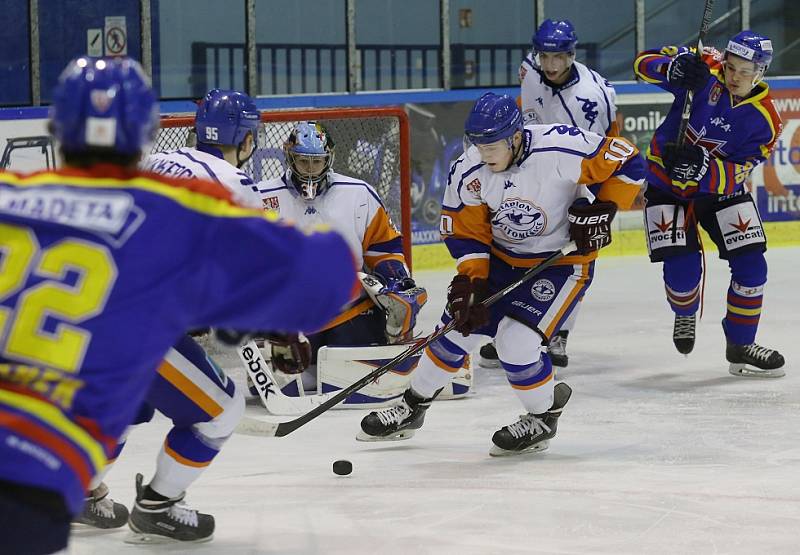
[537,400]
[428,377]
[172,477]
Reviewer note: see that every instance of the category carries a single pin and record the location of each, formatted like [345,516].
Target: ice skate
[101,511]
[488,357]
[557,349]
[683,333]
[754,361]
[163,520]
[532,432]
[397,422]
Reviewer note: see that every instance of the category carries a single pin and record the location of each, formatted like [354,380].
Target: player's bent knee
[749,269]
[222,426]
[517,343]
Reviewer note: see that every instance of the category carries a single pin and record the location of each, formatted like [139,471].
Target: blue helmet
[309,153]
[494,117]
[104,103]
[752,47]
[555,36]
[225,117]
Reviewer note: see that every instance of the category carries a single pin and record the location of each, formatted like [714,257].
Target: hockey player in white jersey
[310,193]
[190,389]
[515,196]
[557,89]
[226,127]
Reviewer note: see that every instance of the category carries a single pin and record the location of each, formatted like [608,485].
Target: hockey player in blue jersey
[103,269]
[189,388]
[733,127]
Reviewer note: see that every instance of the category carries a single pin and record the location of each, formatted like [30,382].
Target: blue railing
[322,68]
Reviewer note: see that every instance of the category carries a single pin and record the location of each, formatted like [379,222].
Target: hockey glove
[686,162]
[590,224]
[291,352]
[463,303]
[687,71]
[401,301]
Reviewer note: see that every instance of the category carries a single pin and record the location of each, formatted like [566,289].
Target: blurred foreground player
[189,388]
[99,253]
[516,195]
[733,127]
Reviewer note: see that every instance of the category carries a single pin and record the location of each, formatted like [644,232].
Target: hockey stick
[251,426]
[687,102]
[274,400]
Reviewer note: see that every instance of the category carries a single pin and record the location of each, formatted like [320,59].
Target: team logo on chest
[519,219]
[715,94]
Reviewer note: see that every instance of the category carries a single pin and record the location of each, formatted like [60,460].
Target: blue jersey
[101,271]
[738,135]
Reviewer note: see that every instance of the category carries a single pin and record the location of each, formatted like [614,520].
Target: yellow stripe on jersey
[640,74]
[52,416]
[187,198]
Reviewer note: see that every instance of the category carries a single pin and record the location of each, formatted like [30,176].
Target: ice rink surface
[655,453]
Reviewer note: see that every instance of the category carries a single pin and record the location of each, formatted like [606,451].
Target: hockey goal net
[371,144]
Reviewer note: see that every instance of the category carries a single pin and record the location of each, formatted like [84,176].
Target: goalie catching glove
[400,299]
[291,352]
[590,224]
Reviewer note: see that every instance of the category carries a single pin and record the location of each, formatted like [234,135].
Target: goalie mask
[309,155]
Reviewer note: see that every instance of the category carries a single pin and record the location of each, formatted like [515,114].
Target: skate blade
[399,436]
[488,362]
[743,371]
[496,451]
[139,538]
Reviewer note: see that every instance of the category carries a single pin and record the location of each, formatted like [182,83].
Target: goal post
[371,144]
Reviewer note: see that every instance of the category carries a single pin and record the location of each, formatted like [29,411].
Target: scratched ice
[656,453]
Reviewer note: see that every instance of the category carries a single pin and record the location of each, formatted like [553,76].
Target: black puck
[342,468]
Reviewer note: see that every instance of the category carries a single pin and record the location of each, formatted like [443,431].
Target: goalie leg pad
[338,367]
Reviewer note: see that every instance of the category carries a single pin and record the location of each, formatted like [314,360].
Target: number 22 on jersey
[22,328]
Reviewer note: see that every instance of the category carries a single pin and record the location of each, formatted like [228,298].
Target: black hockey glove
[685,163]
[291,352]
[590,224]
[463,303]
[687,71]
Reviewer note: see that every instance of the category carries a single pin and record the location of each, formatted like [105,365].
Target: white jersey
[187,163]
[348,205]
[520,214]
[587,100]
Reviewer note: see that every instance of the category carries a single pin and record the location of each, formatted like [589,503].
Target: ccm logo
[588,220]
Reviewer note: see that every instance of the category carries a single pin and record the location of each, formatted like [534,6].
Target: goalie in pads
[310,193]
